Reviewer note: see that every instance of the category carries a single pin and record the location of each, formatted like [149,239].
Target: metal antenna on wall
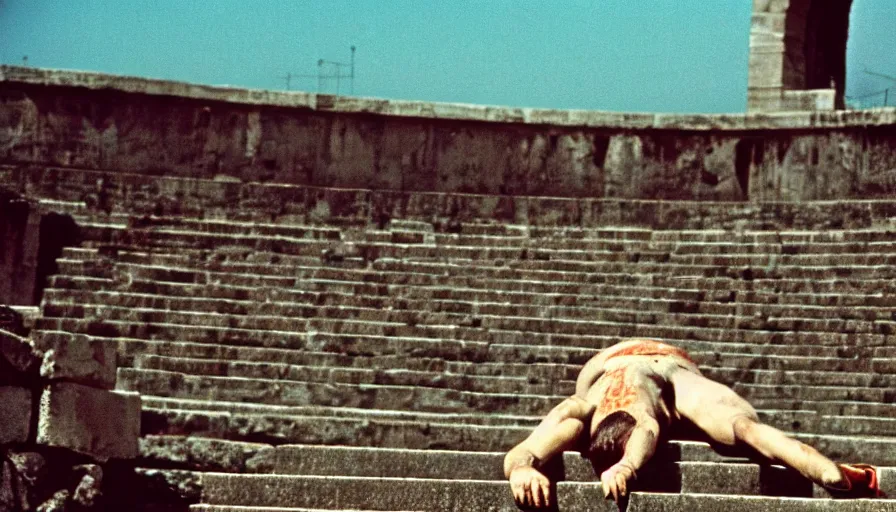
[352,88]
[888,77]
[288,77]
[336,74]
[881,75]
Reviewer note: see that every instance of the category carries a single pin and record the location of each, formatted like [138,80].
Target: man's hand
[530,487]
[615,480]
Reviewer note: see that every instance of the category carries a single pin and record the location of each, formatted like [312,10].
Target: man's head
[608,443]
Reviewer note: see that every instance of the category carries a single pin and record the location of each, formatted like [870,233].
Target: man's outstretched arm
[639,448]
[556,432]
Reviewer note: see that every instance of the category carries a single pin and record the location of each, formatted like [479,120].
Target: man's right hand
[530,487]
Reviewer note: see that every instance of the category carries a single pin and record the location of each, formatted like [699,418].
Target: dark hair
[608,443]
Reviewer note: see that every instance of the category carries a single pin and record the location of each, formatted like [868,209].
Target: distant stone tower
[798,55]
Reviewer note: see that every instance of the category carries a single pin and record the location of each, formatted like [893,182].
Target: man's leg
[730,420]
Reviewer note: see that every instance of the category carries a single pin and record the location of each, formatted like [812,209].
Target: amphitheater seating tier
[384,355]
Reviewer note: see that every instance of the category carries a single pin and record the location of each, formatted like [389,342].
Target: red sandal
[862,480]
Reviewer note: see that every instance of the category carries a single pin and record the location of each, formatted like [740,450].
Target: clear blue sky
[622,55]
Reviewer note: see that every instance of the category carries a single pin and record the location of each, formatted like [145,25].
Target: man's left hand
[615,480]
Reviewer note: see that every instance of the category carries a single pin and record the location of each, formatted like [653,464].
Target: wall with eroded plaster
[119,124]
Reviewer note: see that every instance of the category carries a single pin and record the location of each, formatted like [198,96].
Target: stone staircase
[339,359]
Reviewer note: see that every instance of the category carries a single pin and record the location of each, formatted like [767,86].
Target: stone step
[706,241]
[486,328]
[693,293]
[556,306]
[597,261]
[211,355]
[242,258]
[81,212]
[462,288]
[801,392]
[209,454]
[432,354]
[316,460]
[227,508]
[853,379]
[688,503]
[408,430]
[646,502]
[787,243]
[584,239]
[513,347]
[336,394]
[233,227]
[564,320]
[165,405]
[747,250]
[557,265]
[676,467]
[76,303]
[798,418]
[449,495]
[720,290]
[197,454]
[586,305]
[464,278]
[522,247]
[559,320]
[284,427]
[206,260]
[349,375]
[794,418]
[436,399]
[536,382]
[330,345]
[560,382]
[759,244]
[727,368]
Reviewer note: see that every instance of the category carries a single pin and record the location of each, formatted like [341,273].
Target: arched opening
[798,54]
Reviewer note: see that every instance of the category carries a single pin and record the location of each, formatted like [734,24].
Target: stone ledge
[383,493]
[95,422]
[449,495]
[642,502]
[354,206]
[452,111]
[78,359]
[18,360]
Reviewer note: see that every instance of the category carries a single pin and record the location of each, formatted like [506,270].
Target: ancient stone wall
[120,124]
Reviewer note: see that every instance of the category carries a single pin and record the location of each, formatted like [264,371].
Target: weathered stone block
[102,424]
[15,414]
[816,99]
[79,359]
[18,359]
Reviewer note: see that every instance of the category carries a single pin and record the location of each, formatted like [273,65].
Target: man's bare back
[632,394]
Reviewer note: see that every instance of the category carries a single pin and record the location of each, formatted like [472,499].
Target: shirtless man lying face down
[629,396]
